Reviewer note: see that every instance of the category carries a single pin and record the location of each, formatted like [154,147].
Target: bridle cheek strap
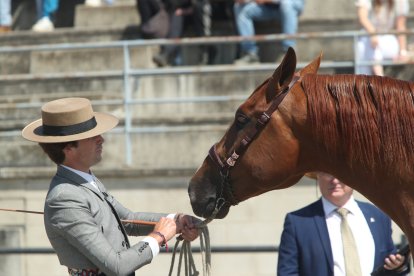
[251,134]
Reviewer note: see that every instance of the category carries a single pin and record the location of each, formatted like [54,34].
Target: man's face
[85,155]
[333,189]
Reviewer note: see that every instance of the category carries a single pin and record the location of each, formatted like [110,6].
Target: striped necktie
[352,263]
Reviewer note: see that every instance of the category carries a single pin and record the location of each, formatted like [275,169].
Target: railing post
[355,39]
[127,101]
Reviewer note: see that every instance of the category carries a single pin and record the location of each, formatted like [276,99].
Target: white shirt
[153,243]
[360,230]
[384,18]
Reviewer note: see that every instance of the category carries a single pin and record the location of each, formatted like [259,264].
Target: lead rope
[205,249]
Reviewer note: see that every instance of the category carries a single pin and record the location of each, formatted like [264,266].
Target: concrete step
[117,15]
[17,110]
[81,60]
[149,150]
[158,94]
[20,89]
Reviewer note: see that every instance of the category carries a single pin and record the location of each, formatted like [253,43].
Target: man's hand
[186,225]
[393,261]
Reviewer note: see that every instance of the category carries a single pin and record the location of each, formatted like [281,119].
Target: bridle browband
[224,166]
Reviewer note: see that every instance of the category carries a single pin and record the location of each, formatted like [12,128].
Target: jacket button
[123,243]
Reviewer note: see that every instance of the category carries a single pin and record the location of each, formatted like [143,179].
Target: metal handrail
[196,40]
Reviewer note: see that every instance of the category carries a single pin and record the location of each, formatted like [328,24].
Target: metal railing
[128,72]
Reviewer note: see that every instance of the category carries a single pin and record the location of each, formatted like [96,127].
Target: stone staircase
[30,78]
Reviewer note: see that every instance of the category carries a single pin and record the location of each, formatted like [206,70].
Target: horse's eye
[241,120]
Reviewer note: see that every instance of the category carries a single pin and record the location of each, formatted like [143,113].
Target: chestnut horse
[356,127]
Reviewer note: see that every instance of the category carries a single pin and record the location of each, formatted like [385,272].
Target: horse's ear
[282,75]
[311,68]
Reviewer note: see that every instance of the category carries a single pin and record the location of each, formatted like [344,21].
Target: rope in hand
[186,253]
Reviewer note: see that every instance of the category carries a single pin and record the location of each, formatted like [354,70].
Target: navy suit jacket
[305,248]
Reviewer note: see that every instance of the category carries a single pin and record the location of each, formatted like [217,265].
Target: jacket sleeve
[71,218]
[288,263]
[135,229]
[390,248]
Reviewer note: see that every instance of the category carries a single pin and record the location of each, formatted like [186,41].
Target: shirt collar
[329,207]
[89,177]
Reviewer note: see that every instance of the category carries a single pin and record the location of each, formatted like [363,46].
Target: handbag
[158,25]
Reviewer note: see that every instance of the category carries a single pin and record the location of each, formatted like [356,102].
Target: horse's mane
[368,120]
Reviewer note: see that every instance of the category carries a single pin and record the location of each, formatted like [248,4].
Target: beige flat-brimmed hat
[68,119]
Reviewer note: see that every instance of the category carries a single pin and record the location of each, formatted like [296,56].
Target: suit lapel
[322,228]
[375,230]
[77,180]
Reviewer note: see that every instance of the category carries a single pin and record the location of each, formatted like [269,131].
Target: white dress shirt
[360,230]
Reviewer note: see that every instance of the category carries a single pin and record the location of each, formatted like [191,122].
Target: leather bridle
[225,193]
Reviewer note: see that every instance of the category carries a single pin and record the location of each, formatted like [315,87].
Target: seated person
[245,12]
[196,13]
[381,16]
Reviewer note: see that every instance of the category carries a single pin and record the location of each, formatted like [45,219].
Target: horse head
[259,151]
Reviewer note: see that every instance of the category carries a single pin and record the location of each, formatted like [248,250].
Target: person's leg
[169,52]
[202,17]
[202,26]
[364,53]
[387,48]
[49,7]
[5,13]
[147,9]
[246,14]
[290,11]
[45,23]
[39,9]
[378,69]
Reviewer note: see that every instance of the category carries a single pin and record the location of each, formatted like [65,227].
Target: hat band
[69,130]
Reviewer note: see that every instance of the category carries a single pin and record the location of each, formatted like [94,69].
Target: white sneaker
[43,25]
[249,58]
[93,3]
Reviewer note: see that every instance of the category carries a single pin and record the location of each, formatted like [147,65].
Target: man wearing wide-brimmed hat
[83,222]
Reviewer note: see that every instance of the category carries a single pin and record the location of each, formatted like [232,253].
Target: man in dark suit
[312,243]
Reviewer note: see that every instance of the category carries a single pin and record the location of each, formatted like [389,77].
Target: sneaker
[247,59]
[43,25]
[93,3]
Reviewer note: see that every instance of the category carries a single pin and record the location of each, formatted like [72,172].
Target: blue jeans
[5,13]
[47,7]
[287,12]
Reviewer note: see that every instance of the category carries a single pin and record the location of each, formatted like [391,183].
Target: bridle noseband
[226,194]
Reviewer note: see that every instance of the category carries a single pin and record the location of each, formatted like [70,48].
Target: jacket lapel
[322,228]
[76,179]
[375,230]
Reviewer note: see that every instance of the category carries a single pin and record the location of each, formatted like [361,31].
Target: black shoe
[160,60]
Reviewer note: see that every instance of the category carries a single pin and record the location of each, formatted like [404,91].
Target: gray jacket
[84,231]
